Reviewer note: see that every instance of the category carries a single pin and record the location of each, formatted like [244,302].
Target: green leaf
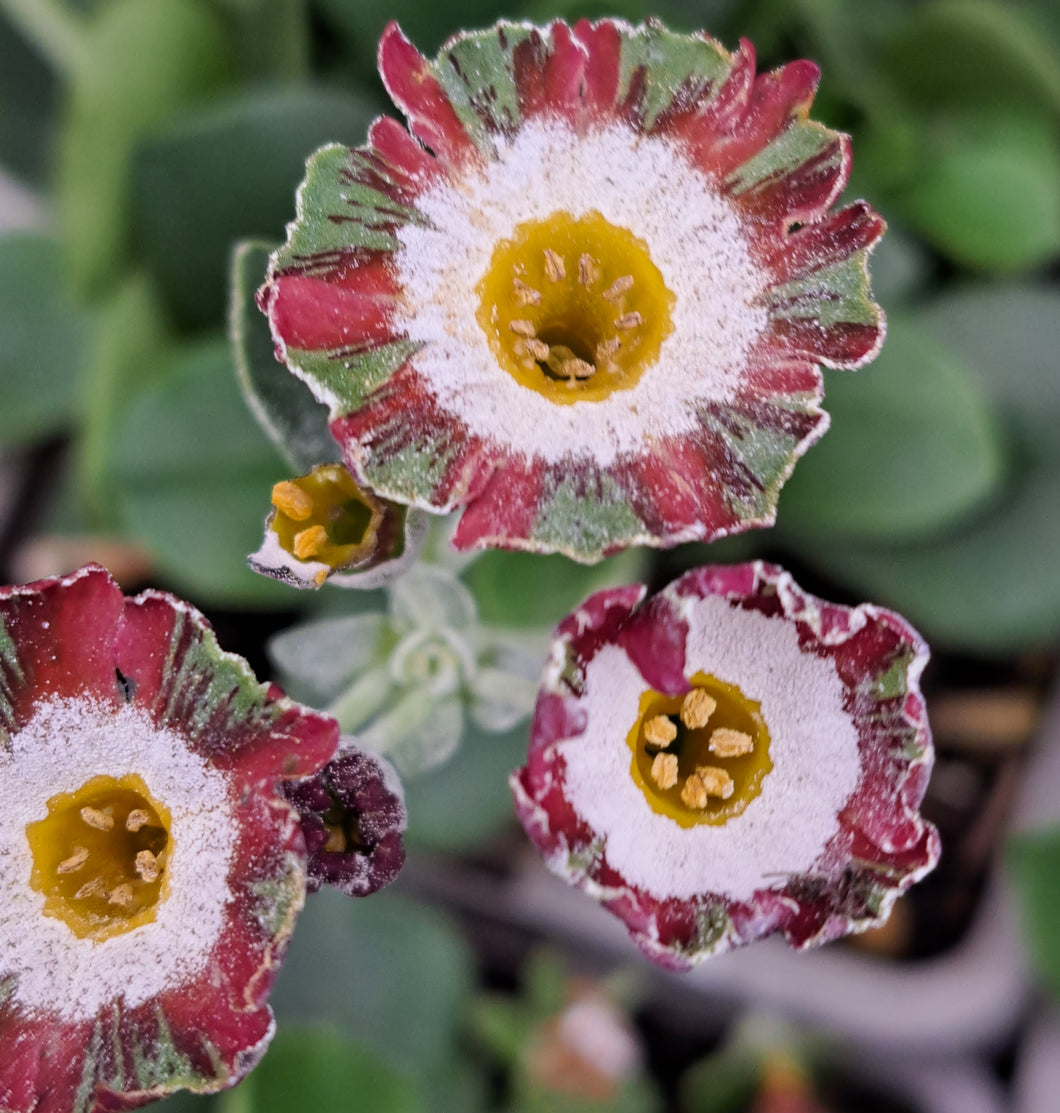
[1033,861]
[990,587]
[295,422]
[386,971]
[965,52]
[320,1069]
[130,343]
[912,446]
[527,589]
[192,477]
[723,1083]
[45,341]
[467,801]
[1009,337]
[988,190]
[228,172]
[28,99]
[141,63]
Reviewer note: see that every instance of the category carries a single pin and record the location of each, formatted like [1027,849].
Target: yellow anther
[726,742]
[310,541]
[715,781]
[524,294]
[292,500]
[588,271]
[664,769]
[74,862]
[629,320]
[136,819]
[619,287]
[95,818]
[93,888]
[606,349]
[523,328]
[121,895]
[555,268]
[537,348]
[147,865]
[697,708]
[336,842]
[694,792]
[659,731]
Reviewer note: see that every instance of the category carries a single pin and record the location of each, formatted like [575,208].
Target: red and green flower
[587,298]
[730,758]
[152,870]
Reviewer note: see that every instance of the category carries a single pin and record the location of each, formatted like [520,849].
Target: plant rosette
[151,869]
[587,298]
[730,758]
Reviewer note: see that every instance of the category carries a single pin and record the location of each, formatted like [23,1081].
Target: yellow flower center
[325,516]
[100,856]
[574,308]
[700,757]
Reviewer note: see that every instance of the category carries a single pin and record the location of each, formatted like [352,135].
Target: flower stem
[365,697]
[57,32]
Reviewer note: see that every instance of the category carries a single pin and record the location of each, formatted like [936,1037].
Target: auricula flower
[325,526]
[151,869]
[586,299]
[730,758]
[353,816]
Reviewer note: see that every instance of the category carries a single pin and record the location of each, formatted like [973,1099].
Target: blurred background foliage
[153,134]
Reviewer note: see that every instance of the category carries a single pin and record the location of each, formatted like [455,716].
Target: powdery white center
[813,745]
[65,744]
[641,183]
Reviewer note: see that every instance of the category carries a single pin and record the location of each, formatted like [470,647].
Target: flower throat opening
[325,516]
[700,757]
[100,855]
[574,308]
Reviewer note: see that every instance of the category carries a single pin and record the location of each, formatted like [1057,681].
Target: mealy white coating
[65,744]
[641,183]
[813,746]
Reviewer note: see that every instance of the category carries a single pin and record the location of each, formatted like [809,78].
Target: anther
[629,320]
[74,862]
[606,349]
[697,708]
[292,501]
[555,269]
[726,742]
[336,843]
[147,865]
[694,792]
[588,271]
[524,294]
[619,287]
[664,769]
[715,781]
[95,818]
[537,348]
[136,819]
[121,895]
[523,328]
[310,541]
[659,731]
[93,888]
